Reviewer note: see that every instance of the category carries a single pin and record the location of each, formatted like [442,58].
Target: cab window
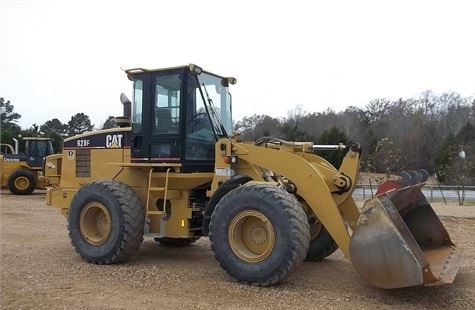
[167,104]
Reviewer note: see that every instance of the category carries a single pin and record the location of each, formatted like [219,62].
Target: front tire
[21,182]
[259,234]
[106,222]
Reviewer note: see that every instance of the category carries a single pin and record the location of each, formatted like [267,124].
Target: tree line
[431,132]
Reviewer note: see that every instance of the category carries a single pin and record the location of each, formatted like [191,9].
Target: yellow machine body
[21,173]
[395,241]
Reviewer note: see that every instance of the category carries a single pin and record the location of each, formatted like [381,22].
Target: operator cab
[35,149]
[177,116]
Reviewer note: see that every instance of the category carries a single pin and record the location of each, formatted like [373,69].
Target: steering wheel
[196,120]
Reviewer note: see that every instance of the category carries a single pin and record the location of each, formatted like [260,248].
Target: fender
[222,190]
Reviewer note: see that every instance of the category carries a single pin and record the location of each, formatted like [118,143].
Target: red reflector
[230,159]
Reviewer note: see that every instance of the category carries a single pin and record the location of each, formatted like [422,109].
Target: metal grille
[83,163]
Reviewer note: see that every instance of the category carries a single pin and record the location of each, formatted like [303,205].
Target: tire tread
[298,228]
[133,221]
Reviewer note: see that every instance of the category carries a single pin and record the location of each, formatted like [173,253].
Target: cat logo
[114,141]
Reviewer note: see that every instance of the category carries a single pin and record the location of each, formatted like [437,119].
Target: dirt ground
[40,270]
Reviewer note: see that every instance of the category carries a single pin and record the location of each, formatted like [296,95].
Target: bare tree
[387,157]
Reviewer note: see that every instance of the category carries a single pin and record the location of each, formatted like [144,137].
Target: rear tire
[176,242]
[21,182]
[106,222]
[259,234]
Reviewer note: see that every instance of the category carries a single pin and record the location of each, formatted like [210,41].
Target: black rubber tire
[281,212]
[111,206]
[21,182]
[176,242]
[321,246]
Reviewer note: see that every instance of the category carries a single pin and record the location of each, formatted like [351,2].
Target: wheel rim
[22,183]
[251,236]
[95,223]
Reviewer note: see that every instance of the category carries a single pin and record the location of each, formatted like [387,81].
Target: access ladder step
[156,189]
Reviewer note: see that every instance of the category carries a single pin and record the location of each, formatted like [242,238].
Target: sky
[59,58]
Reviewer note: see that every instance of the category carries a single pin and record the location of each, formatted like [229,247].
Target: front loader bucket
[399,242]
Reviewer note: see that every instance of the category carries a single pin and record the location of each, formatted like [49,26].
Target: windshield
[217,100]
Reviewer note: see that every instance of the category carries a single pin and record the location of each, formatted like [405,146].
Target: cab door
[166,123]
[156,116]
[140,144]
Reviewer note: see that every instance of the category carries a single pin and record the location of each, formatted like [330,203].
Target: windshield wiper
[214,116]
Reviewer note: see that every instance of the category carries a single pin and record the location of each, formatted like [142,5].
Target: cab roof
[191,67]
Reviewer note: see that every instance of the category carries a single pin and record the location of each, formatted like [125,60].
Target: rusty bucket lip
[448,264]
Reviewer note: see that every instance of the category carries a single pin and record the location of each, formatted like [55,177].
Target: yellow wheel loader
[171,171]
[21,172]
